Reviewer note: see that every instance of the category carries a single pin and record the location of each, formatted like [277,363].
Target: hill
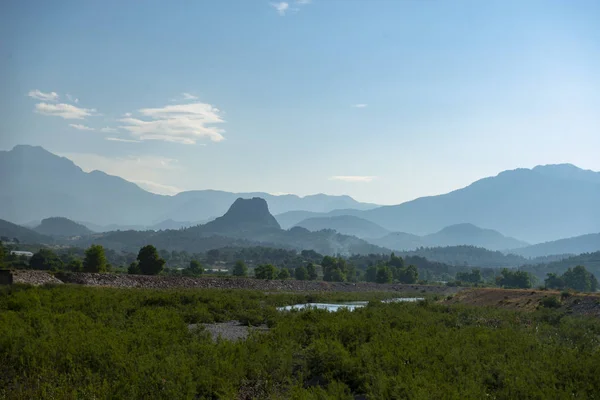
[101,199]
[247,223]
[591,261]
[62,227]
[345,224]
[575,245]
[10,231]
[454,235]
[538,204]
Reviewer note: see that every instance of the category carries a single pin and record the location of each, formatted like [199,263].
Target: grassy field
[81,343]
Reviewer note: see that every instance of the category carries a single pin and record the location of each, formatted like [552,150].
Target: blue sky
[383,100]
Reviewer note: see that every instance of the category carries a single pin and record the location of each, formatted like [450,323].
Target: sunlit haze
[384,101]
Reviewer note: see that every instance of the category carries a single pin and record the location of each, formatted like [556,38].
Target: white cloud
[360,105]
[127,115]
[39,95]
[180,123]
[303,2]
[108,129]
[114,139]
[188,96]
[157,188]
[81,127]
[281,7]
[66,111]
[353,178]
[72,99]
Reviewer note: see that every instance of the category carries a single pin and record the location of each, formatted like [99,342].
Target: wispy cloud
[181,123]
[115,139]
[281,7]
[72,99]
[188,96]
[157,188]
[66,111]
[353,178]
[81,127]
[108,129]
[39,95]
[146,171]
[360,105]
[303,2]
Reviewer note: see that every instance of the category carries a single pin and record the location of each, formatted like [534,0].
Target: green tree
[194,269]
[240,268]
[284,273]
[554,281]
[95,259]
[334,269]
[396,262]
[134,268]
[75,265]
[470,277]
[45,259]
[150,262]
[408,274]
[301,273]
[2,252]
[312,272]
[384,274]
[371,274]
[265,271]
[514,279]
[579,279]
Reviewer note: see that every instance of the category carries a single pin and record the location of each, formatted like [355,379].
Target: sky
[385,101]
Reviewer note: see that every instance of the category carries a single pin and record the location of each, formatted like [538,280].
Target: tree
[75,265]
[408,275]
[1,254]
[265,271]
[580,279]
[134,268]
[554,281]
[334,269]
[470,277]
[384,274]
[371,274]
[312,272]
[396,262]
[240,268]
[212,256]
[194,269]
[45,259]
[514,279]
[300,273]
[150,262]
[95,259]
[284,273]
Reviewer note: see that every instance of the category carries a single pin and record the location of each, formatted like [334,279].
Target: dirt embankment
[166,282]
[529,300]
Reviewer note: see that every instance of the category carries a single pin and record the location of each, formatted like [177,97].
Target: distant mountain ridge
[345,224]
[576,245]
[453,235]
[101,199]
[62,227]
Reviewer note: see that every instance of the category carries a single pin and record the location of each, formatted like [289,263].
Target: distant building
[21,253]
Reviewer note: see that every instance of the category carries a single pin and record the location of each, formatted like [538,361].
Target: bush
[551,302]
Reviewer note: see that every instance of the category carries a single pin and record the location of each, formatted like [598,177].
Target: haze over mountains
[534,205]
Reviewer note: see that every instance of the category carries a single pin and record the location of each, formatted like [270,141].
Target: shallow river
[351,305]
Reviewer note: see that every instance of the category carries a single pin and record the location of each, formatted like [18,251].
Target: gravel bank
[231,330]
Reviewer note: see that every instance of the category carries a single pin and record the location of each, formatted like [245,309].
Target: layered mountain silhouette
[345,224]
[575,245]
[535,205]
[10,231]
[248,222]
[62,227]
[454,235]
[100,200]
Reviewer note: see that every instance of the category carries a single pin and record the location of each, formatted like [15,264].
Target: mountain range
[536,205]
[96,198]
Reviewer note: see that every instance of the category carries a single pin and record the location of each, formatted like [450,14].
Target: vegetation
[80,342]
[195,269]
[514,279]
[46,259]
[240,268]
[473,277]
[265,271]
[95,259]
[577,278]
[149,261]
